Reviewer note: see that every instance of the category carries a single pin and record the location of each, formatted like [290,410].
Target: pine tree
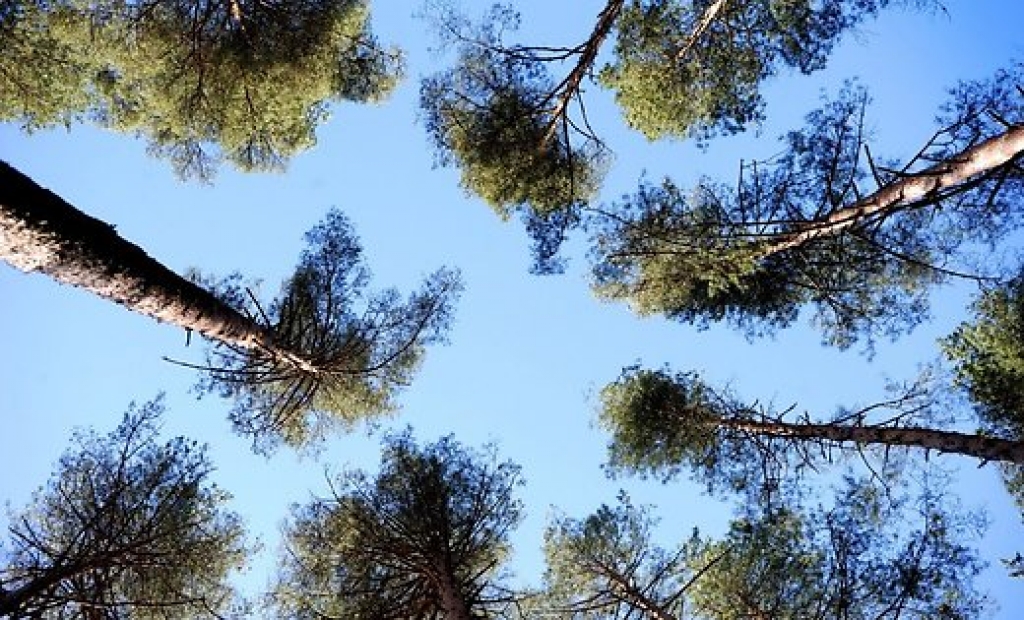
[662,422]
[203,81]
[127,527]
[425,538]
[808,230]
[324,354]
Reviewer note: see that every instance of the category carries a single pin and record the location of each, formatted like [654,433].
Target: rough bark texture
[916,187]
[977,446]
[39,231]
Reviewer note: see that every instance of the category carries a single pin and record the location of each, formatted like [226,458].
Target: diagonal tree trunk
[710,15]
[12,601]
[570,86]
[41,232]
[917,187]
[630,594]
[977,446]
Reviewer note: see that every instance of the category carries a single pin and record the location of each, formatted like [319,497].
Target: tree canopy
[806,229]
[868,555]
[663,423]
[491,115]
[324,354]
[357,348]
[523,140]
[203,81]
[826,229]
[426,538]
[127,528]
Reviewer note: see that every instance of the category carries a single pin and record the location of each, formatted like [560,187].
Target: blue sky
[527,354]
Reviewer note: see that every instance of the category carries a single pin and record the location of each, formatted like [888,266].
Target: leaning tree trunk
[627,591]
[957,170]
[39,231]
[977,446]
[570,86]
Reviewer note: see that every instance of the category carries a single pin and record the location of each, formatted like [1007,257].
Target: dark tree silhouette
[425,538]
[127,527]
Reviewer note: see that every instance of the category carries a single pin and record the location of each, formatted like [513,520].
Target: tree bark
[919,186]
[710,14]
[452,602]
[39,231]
[629,593]
[571,84]
[977,446]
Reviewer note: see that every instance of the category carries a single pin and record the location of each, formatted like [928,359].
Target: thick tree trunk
[956,170]
[977,446]
[12,602]
[39,231]
[452,602]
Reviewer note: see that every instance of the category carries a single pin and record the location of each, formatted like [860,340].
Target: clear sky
[527,354]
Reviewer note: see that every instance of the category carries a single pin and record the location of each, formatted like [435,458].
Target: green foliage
[988,358]
[128,527]
[758,255]
[363,347]
[673,81]
[431,528]
[988,354]
[490,116]
[607,565]
[870,555]
[43,80]
[247,82]
[662,424]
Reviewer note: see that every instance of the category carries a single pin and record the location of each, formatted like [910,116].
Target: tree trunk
[977,446]
[710,14]
[919,186]
[12,602]
[629,593]
[571,84]
[41,232]
[452,602]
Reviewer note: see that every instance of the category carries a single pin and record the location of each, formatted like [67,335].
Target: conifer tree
[426,538]
[325,353]
[128,527]
[202,80]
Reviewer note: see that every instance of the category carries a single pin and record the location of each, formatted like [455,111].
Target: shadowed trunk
[41,232]
[11,601]
[629,593]
[977,446]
